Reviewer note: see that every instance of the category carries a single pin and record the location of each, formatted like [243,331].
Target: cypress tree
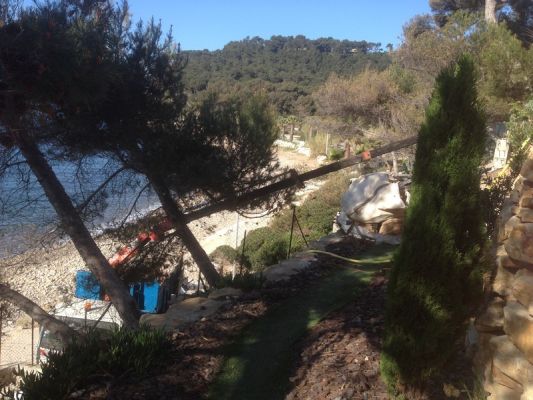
[436,278]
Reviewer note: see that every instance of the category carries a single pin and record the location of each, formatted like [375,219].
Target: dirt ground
[339,359]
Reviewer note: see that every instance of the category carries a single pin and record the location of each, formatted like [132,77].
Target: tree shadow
[259,363]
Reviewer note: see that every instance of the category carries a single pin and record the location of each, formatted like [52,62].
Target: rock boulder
[519,246]
[518,325]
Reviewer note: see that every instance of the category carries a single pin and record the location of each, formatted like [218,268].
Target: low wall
[505,329]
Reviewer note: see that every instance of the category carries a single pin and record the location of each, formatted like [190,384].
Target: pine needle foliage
[436,278]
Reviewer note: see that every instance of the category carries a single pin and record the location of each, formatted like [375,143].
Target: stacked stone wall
[505,329]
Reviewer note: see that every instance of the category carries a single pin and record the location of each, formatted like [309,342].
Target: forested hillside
[287,68]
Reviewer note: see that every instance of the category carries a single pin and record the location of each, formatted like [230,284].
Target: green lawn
[258,363]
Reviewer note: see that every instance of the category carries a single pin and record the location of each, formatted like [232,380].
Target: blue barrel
[87,287]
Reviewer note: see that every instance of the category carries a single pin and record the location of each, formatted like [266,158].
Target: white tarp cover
[369,196]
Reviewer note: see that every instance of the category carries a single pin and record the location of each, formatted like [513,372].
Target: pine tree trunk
[490,11]
[59,328]
[178,220]
[76,229]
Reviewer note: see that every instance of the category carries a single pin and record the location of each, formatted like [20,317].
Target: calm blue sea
[27,218]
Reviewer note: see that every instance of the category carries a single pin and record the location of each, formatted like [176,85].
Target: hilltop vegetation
[287,68]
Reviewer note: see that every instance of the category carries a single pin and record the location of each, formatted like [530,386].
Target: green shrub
[245,281]
[506,67]
[335,154]
[269,245]
[225,255]
[94,358]
[272,251]
[436,278]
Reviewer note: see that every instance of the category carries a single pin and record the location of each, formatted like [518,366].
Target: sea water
[27,220]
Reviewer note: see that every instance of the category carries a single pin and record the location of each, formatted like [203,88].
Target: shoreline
[46,275]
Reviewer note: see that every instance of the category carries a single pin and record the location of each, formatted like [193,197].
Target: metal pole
[292,228]
[237,232]
[32,339]
[301,231]
[198,285]
[241,258]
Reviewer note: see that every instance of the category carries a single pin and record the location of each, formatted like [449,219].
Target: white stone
[522,289]
[183,313]
[508,358]
[223,293]
[519,246]
[518,324]
[503,282]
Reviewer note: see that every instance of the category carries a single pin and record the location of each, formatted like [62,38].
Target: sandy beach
[46,275]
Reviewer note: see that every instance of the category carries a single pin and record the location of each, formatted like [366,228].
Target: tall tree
[436,278]
[43,55]
[215,149]
[134,110]
[518,14]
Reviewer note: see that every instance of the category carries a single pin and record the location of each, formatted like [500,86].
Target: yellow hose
[350,260]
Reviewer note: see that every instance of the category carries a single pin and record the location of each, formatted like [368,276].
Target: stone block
[528,393]
[508,227]
[510,360]
[287,268]
[503,282]
[522,289]
[525,214]
[503,260]
[526,201]
[500,392]
[518,325]
[221,294]
[392,226]
[516,191]
[519,246]
[498,376]
[527,170]
[183,313]
[492,319]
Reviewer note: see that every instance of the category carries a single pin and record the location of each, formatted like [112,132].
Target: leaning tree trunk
[73,225]
[490,11]
[179,222]
[59,328]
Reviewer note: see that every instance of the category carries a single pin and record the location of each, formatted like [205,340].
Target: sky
[210,24]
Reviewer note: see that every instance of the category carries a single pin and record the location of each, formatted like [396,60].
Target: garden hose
[350,260]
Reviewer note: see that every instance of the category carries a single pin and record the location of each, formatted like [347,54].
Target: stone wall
[505,329]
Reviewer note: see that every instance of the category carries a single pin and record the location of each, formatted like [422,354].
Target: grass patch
[258,363]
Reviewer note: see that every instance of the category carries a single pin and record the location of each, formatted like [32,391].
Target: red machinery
[128,252]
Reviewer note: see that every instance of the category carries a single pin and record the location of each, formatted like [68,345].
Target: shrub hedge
[436,278]
[95,358]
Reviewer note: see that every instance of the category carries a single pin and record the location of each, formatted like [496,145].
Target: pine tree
[435,278]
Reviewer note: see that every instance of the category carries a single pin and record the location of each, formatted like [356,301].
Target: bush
[436,277]
[225,255]
[93,358]
[335,154]
[506,67]
[272,251]
[269,245]
[245,281]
